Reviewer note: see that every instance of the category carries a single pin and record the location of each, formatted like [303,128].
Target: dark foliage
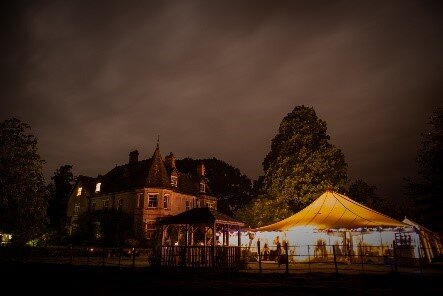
[301,165]
[23,193]
[426,192]
[362,192]
[232,188]
[61,186]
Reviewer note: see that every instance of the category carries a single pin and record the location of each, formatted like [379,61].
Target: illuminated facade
[145,189]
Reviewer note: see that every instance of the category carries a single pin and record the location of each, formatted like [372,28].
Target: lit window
[187,205]
[202,187]
[209,205]
[165,201]
[97,187]
[139,200]
[120,204]
[76,210]
[174,181]
[79,191]
[149,229]
[93,206]
[152,201]
[105,204]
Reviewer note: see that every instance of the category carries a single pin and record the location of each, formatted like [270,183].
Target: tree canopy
[301,165]
[232,188]
[60,188]
[427,191]
[23,193]
[362,192]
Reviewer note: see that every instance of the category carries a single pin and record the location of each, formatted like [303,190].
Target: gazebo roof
[200,216]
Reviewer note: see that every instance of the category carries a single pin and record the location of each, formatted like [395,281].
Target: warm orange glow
[334,211]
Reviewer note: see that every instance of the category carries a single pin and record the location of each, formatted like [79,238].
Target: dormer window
[174,181]
[98,186]
[202,187]
[79,191]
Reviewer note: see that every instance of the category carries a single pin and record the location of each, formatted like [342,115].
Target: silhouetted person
[278,251]
[265,252]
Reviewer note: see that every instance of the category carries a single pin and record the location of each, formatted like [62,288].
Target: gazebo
[200,238]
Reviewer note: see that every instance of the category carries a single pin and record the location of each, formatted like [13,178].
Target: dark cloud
[96,79]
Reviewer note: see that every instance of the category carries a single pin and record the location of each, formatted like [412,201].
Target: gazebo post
[214,228]
[239,246]
[227,235]
[160,252]
[186,244]
[214,234]
[163,236]
[186,234]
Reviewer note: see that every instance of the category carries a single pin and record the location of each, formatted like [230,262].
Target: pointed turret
[158,176]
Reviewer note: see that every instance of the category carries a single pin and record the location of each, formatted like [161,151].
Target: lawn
[49,279]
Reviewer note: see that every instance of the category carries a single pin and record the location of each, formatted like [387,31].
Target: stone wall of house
[77,204]
[146,205]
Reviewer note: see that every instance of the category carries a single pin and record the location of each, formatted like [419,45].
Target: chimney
[201,169]
[170,161]
[133,157]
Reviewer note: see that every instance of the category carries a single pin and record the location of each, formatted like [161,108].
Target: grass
[62,279]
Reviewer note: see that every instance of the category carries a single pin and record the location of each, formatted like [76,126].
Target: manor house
[146,189]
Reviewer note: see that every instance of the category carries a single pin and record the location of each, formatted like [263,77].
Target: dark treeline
[300,165]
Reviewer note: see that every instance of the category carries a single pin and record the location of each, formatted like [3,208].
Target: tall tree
[23,193]
[362,192]
[232,188]
[60,188]
[427,191]
[301,165]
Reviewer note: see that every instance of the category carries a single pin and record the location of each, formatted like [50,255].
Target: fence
[94,256]
[219,257]
[331,258]
[256,258]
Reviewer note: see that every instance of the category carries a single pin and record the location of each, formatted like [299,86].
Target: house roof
[334,211]
[150,172]
[157,175]
[127,176]
[88,183]
[201,216]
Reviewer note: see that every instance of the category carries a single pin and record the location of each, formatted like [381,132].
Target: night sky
[97,79]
